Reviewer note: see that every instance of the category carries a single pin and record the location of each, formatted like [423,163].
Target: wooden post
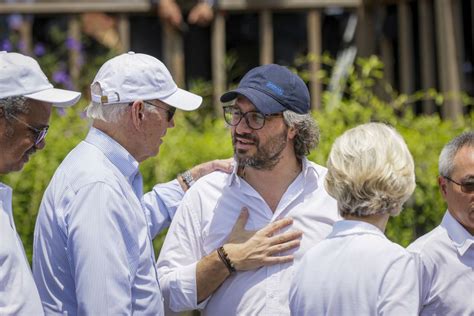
[365,34]
[314,48]
[447,64]
[218,60]
[266,37]
[26,35]
[124,33]
[425,16]
[405,48]
[74,33]
[174,53]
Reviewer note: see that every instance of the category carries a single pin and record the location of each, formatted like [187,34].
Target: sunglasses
[38,133]
[170,111]
[466,187]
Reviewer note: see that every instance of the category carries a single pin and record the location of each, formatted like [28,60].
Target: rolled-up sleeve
[102,247]
[178,259]
[161,204]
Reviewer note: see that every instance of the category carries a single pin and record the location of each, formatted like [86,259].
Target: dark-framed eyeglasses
[38,133]
[170,111]
[466,187]
[254,119]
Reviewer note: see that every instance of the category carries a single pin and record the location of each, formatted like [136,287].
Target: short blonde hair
[370,171]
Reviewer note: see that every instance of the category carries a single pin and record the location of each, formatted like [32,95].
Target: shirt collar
[308,169]
[351,227]
[118,155]
[461,238]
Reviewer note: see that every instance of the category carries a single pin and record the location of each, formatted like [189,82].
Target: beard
[267,155]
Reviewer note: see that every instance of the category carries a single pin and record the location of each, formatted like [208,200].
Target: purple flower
[60,76]
[22,47]
[83,115]
[61,111]
[39,50]
[15,21]
[72,44]
[6,45]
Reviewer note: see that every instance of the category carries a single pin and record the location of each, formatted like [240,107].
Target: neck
[272,184]
[378,220]
[119,133]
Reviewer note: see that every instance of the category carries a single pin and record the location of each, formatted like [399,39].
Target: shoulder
[429,241]
[83,166]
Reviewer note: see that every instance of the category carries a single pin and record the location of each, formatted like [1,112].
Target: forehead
[38,113]
[464,162]
[244,104]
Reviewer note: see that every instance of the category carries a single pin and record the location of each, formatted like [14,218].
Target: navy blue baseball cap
[272,89]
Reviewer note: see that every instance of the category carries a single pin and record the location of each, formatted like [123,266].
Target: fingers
[272,228]
[283,247]
[226,165]
[286,237]
[241,221]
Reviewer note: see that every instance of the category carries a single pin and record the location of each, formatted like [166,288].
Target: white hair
[370,171]
[110,113]
[446,158]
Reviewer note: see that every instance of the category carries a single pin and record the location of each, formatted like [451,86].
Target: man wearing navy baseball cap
[235,238]
[26,99]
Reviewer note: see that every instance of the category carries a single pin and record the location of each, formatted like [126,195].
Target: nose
[171,123]
[40,145]
[243,127]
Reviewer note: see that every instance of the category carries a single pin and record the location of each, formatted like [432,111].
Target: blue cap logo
[275,88]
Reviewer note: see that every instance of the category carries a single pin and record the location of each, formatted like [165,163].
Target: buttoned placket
[274,272]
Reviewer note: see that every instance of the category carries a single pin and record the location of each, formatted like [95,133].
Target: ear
[291,133]
[442,182]
[137,114]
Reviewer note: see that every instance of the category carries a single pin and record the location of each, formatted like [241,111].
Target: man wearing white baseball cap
[93,251]
[26,98]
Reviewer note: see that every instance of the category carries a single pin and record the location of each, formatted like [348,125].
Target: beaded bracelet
[225,259]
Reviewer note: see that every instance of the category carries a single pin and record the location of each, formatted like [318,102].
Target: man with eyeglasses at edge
[235,238]
[446,254]
[93,251]
[26,99]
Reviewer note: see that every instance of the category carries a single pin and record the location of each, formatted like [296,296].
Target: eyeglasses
[465,187]
[38,133]
[254,119]
[170,111]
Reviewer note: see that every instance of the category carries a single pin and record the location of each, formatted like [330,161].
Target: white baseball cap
[21,75]
[130,77]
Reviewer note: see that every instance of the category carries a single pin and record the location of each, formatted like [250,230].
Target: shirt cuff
[183,290]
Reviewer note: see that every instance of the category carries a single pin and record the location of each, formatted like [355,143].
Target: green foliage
[200,136]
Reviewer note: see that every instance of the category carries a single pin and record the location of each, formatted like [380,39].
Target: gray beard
[267,156]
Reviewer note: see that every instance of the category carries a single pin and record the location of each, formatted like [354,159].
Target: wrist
[187,178]
[224,258]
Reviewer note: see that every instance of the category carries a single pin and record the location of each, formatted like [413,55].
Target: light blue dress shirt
[18,294]
[93,252]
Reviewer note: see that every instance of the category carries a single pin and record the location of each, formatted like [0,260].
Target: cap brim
[183,100]
[263,102]
[58,97]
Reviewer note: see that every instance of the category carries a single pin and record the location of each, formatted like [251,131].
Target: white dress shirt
[356,270]
[18,293]
[205,219]
[446,266]
[93,252]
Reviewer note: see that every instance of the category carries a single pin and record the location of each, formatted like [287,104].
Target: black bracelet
[225,259]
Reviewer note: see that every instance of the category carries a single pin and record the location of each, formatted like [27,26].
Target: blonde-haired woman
[356,270]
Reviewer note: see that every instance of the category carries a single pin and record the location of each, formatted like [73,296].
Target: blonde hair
[370,171]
